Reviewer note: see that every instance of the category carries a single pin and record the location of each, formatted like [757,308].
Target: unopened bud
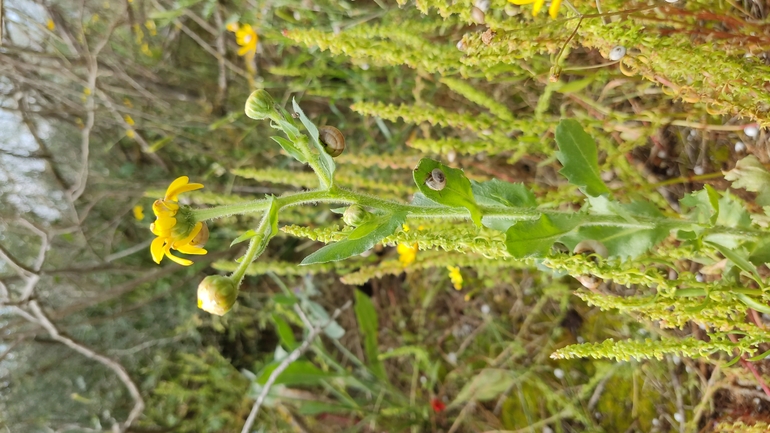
[217,294]
[259,105]
[355,215]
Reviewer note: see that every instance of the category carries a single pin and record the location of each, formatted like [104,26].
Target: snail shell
[590,246]
[332,140]
[436,180]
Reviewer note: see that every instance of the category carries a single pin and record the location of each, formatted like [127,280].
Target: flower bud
[259,105]
[217,294]
[355,215]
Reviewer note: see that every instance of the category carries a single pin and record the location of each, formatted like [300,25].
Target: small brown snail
[436,180]
[590,246]
[332,140]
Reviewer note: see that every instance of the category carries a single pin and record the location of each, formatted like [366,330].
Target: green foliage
[577,153]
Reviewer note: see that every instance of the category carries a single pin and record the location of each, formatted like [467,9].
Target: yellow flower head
[455,276]
[247,38]
[407,254]
[553,10]
[173,233]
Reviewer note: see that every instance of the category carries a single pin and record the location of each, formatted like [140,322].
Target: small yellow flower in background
[146,50]
[537,5]
[455,276]
[50,24]
[127,103]
[171,235]
[405,227]
[130,133]
[407,254]
[247,38]
[150,24]
[86,91]
[139,212]
[129,120]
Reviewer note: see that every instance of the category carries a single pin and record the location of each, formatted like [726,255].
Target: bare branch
[293,356]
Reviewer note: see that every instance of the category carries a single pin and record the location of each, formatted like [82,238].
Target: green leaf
[577,153]
[290,148]
[310,408]
[300,372]
[456,193]
[366,316]
[534,238]
[761,253]
[752,303]
[285,334]
[749,174]
[732,213]
[325,161]
[621,241]
[704,208]
[487,385]
[740,258]
[499,193]
[248,234]
[351,247]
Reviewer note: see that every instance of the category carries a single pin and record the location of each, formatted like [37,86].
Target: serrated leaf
[499,193]
[351,247]
[703,207]
[534,238]
[732,213]
[248,234]
[290,148]
[419,199]
[486,385]
[577,154]
[750,175]
[325,161]
[456,193]
[366,315]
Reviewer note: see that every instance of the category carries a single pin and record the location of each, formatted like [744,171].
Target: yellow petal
[179,186]
[186,241]
[138,212]
[537,6]
[165,208]
[156,249]
[180,181]
[181,261]
[189,249]
[553,10]
[163,225]
[233,27]
[244,50]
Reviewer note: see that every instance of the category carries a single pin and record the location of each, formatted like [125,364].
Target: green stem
[343,196]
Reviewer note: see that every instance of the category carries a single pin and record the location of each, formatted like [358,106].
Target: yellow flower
[50,24]
[129,120]
[455,276]
[130,133]
[407,254]
[247,38]
[553,10]
[233,27]
[405,227]
[139,212]
[170,234]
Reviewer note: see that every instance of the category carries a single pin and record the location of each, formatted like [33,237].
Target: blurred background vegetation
[104,102]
